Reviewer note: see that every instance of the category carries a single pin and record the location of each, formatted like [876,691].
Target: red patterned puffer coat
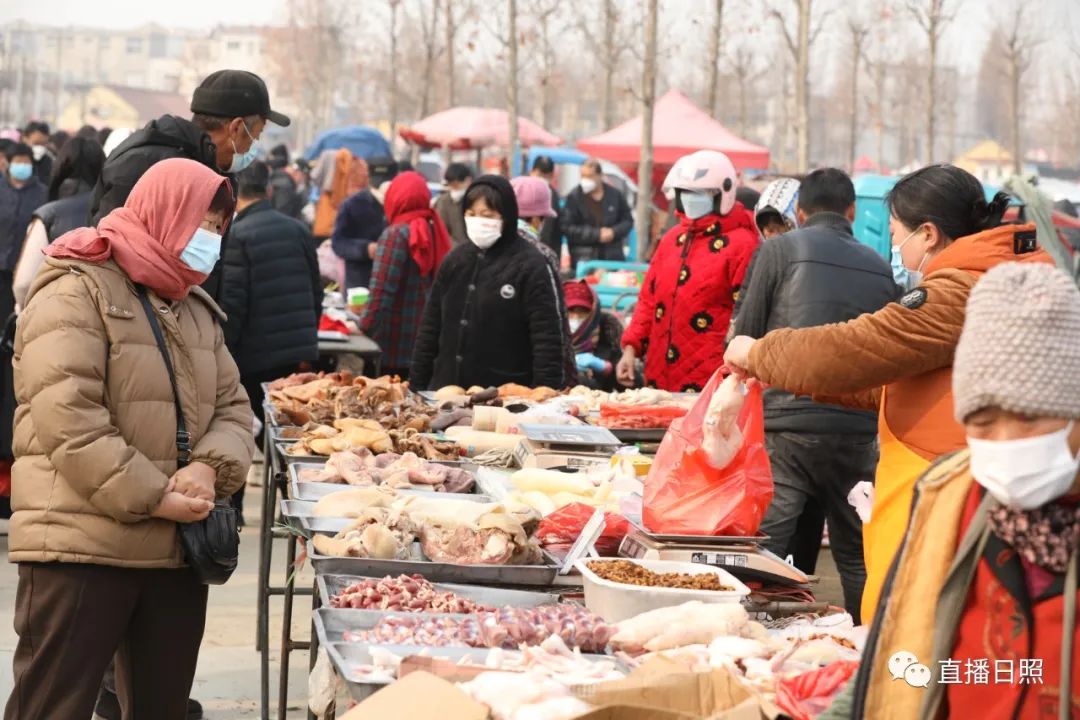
[685,306]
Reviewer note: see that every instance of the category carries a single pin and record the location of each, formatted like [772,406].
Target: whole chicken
[721,436]
[692,623]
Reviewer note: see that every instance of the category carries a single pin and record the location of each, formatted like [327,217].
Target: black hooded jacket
[493,315]
[167,137]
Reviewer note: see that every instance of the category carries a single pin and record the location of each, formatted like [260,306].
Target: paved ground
[227,681]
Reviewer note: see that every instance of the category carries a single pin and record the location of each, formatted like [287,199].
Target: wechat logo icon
[905,666]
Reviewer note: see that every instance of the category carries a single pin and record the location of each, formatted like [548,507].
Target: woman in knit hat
[596,335]
[987,574]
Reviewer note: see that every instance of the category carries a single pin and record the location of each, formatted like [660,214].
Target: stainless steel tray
[306,508]
[331,585]
[525,575]
[281,447]
[316,490]
[278,433]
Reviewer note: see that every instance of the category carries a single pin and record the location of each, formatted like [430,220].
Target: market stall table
[358,345]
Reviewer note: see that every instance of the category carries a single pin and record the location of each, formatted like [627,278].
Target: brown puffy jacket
[95,441]
[907,346]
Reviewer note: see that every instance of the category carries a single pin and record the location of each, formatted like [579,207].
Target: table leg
[286,629]
[266,545]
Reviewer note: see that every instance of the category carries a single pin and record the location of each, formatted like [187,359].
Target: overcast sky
[130,13]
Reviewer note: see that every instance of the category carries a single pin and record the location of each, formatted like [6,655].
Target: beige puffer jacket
[95,441]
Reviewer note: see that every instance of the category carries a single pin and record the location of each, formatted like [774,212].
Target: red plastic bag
[562,527]
[806,696]
[684,495]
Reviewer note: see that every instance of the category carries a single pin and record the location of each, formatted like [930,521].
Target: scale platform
[743,557]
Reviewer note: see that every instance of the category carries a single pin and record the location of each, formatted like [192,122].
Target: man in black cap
[230,109]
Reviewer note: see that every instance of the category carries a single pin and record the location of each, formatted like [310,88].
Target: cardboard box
[419,696]
[530,454]
[664,685]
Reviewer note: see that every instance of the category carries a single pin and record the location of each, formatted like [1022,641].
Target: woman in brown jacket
[898,360]
[96,491]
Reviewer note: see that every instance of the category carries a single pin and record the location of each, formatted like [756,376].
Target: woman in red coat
[695,275]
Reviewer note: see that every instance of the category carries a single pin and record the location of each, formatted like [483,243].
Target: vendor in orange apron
[927,434]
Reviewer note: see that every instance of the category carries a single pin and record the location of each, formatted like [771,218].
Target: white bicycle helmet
[704,171]
[781,197]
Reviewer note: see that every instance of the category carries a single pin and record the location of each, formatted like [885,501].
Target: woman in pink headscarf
[409,252]
[97,492]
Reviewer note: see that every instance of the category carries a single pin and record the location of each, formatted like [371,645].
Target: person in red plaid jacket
[409,252]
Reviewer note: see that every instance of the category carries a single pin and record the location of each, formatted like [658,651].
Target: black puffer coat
[493,315]
[272,293]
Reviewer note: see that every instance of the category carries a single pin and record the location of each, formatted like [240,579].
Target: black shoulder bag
[211,546]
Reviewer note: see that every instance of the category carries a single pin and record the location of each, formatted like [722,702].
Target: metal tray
[526,575]
[279,433]
[636,435]
[350,658]
[331,585]
[315,490]
[281,447]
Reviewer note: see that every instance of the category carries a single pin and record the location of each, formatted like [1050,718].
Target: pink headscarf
[147,235]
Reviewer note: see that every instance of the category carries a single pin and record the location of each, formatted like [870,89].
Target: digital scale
[743,557]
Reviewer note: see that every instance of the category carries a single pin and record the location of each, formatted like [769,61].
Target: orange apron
[894,484]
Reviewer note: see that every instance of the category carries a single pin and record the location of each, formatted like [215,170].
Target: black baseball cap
[235,93]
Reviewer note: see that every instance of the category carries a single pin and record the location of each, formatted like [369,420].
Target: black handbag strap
[183,438]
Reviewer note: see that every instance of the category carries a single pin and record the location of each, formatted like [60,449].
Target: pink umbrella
[464,128]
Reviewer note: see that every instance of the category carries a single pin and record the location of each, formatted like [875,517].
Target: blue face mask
[202,251]
[906,279]
[696,205]
[21,171]
[240,161]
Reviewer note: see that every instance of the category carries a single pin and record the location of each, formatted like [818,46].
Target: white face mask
[588,185]
[39,152]
[575,323]
[483,232]
[1025,474]
[456,195]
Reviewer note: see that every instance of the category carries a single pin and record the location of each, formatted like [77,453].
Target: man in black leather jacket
[816,275]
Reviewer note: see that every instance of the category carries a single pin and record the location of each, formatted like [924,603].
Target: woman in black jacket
[493,315]
[70,187]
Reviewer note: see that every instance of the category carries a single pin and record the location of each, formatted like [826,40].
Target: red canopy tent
[467,128]
[679,128]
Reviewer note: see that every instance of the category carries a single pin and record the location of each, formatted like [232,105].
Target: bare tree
[429,19]
[799,44]
[512,48]
[715,47]
[858,30]
[308,54]
[1020,43]
[609,48]
[744,67]
[648,103]
[452,22]
[394,6]
[541,16]
[932,17]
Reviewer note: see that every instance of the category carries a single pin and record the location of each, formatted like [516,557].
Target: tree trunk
[648,102]
[610,51]
[853,137]
[1014,115]
[931,92]
[545,81]
[451,32]
[743,118]
[428,34]
[393,71]
[513,108]
[714,57]
[802,90]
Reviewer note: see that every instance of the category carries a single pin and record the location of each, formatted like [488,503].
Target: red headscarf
[147,235]
[408,202]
